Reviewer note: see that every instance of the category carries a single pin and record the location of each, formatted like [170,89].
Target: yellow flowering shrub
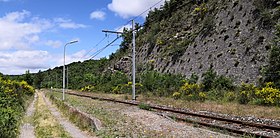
[202,96]
[176,95]
[87,88]
[126,88]
[268,95]
[247,93]
[200,10]
[192,92]
[12,100]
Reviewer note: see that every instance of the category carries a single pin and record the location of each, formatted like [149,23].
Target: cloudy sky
[33,32]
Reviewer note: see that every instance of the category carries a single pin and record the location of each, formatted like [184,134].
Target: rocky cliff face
[232,37]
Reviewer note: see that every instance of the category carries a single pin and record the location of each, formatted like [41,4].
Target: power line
[147,10]
[100,50]
[140,14]
[93,47]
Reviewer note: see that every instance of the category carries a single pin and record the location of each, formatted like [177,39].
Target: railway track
[222,123]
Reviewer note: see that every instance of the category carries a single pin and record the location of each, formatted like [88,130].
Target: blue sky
[33,32]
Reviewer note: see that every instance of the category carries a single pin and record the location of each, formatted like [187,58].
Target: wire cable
[148,9]
[100,50]
[93,47]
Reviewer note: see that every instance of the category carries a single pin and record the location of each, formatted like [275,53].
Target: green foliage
[208,26]
[144,106]
[246,93]
[210,80]
[268,95]
[12,100]
[272,71]
[193,79]
[200,11]
[192,92]
[179,49]
[28,78]
[161,84]
[127,39]
[127,88]
[88,88]
[38,80]
[176,95]
[264,11]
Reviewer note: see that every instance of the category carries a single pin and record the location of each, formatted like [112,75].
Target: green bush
[272,71]
[246,93]
[144,106]
[223,83]
[268,95]
[192,92]
[210,80]
[12,102]
[160,84]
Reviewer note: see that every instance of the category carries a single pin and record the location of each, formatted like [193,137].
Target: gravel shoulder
[27,128]
[121,120]
[68,126]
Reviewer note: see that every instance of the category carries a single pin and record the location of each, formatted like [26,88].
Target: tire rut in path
[69,127]
[27,129]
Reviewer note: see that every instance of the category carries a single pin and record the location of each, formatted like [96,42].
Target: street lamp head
[74,41]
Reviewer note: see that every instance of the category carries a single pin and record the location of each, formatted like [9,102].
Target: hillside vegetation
[190,50]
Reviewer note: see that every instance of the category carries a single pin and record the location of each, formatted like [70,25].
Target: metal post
[63,89]
[67,80]
[63,85]
[133,62]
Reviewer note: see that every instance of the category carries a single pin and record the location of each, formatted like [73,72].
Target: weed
[144,106]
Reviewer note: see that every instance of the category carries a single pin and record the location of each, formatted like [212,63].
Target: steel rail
[181,111]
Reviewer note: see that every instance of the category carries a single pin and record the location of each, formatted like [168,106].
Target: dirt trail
[27,129]
[69,127]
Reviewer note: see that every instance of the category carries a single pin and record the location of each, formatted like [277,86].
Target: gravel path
[169,127]
[27,129]
[69,127]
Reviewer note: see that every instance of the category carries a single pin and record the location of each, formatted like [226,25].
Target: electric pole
[133,62]
[133,56]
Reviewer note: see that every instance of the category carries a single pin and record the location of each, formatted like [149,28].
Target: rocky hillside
[233,37]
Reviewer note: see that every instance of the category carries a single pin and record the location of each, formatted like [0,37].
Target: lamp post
[63,89]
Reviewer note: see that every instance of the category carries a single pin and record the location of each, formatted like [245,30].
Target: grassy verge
[114,124]
[73,115]
[45,124]
[27,119]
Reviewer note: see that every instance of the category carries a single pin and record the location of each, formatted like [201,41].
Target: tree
[208,79]
[272,72]
[38,80]
[28,78]
[127,39]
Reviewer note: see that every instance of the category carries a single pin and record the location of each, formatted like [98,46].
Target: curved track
[205,120]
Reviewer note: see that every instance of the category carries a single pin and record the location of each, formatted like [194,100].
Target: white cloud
[120,29]
[70,58]
[54,44]
[130,8]
[68,24]
[20,32]
[19,61]
[99,15]
[17,34]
